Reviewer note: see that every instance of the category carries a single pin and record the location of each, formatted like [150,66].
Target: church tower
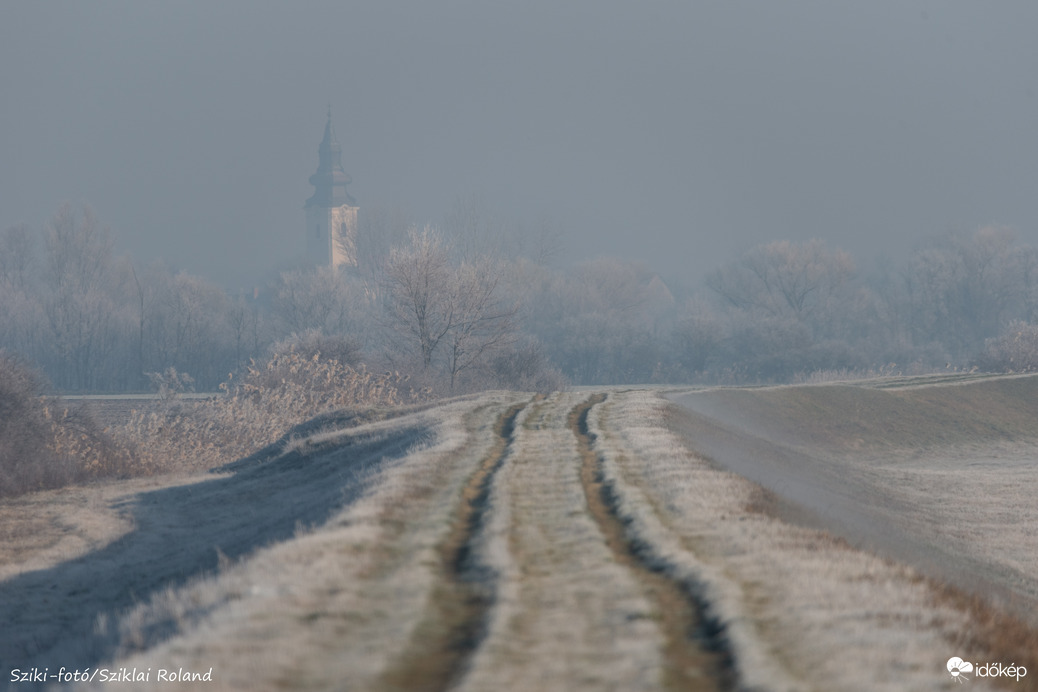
[331,214]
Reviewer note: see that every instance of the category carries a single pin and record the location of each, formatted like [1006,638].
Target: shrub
[24,428]
[170,384]
[45,444]
[314,342]
[80,443]
[524,367]
[258,409]
[1014,350]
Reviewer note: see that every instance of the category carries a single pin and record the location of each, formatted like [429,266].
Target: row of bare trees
[784,308]
[94,322]
[468,306]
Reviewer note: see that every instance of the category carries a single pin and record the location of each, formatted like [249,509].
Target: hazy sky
[675,132]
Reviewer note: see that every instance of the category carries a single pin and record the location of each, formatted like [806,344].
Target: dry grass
[567,616]
[336,606]
[438,502]
[795,601]
[978,508]
[43,443]
[920,413]
[993,634]
[41,530]
[46,443]
[938,474]
[270,400]
[674,512]
[691,663]
[454,624]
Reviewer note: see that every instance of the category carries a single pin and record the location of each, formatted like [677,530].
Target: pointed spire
[330,179]
[329,133]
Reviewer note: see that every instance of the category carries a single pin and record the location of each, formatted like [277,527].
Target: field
[941,475]
[824,537]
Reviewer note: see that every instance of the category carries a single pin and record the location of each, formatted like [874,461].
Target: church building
[331,214]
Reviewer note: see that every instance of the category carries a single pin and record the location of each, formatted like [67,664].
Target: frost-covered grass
[43,529]
[973,505]
[256,411]
[879,417]
[937,473]
[567,615]
[334,606]
[44,443]
[802,610]
[353,600]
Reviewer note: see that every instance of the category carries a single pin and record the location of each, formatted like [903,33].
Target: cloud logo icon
[956,666]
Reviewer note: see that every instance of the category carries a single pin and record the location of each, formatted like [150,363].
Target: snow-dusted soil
[495,542]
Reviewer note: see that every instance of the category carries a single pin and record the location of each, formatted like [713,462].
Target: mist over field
[679,134]
[537,346]
[467,306]
[778,189]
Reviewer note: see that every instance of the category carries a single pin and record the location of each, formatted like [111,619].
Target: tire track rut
[439,653]
[696,655]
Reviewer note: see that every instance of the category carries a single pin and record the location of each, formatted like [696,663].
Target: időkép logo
[960,670]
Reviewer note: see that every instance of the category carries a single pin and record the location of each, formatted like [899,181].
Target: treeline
[785,310]
[788,311]
[92,321]
[471,305]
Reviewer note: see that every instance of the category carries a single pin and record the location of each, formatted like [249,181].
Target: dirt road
[498,542]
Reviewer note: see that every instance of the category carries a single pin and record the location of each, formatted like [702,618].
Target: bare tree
[610,285]
[418,294]
[482,323]
[318,298]
[187,325]
[243,318]
[783,278]
[962,289]
[548,242]
[85,300]
[85,331]
[17,257]
[378,230]
[444,314]
[79,253]
[20,312]
[697,336]
[599,322]
[194,313]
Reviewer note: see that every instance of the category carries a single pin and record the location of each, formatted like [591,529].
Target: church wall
[344,242]
[323,226]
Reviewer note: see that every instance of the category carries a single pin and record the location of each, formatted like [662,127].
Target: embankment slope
[939,474]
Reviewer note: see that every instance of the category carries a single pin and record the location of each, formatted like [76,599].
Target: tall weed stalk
[257,410]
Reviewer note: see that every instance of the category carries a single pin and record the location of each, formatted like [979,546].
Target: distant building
[331,214]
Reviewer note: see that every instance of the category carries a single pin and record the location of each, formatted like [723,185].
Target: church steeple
[331,213]
[330,180]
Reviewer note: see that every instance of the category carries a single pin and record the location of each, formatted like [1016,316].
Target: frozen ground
[954,496]
[514,542]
